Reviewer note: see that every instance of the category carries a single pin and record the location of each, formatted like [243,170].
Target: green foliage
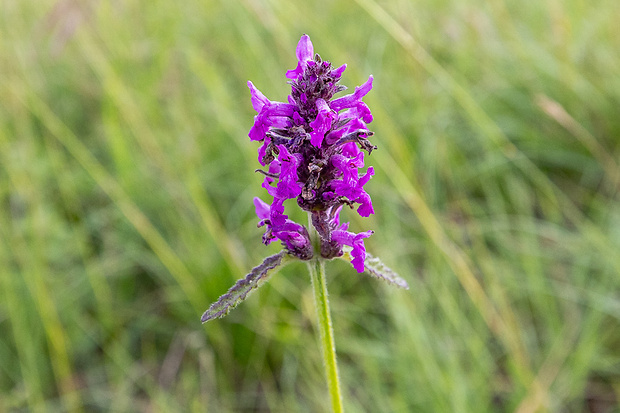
[242,288]
[126,186]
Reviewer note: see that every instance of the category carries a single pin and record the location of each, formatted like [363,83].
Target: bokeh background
[126,186]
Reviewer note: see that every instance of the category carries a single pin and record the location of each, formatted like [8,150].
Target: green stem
[319,284]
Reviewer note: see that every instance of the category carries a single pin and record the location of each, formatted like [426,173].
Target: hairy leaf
[374,267]
[242,288]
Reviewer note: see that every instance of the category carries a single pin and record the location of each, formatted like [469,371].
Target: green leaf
[374,267]
[242,288]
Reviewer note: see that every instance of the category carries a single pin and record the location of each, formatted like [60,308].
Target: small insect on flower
[312,148]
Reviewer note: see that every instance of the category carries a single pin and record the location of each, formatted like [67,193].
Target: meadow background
[126,186]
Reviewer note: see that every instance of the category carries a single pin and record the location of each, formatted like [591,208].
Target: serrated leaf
[242,288]
[374,267]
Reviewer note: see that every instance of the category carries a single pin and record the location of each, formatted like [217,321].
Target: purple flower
[322,123]
[285,167]
[294,236]
[312,148]
[356,241]
[304,53]
[354,100]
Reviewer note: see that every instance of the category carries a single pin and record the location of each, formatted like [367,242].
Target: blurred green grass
[126,180]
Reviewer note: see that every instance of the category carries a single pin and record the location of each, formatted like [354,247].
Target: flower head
[312,145]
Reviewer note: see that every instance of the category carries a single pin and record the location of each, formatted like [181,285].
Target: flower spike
[313,145]
[312,150]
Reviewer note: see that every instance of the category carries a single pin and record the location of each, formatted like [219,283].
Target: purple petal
[364,112]
[297,241]
[355,123]
[354,100]
[337,73]
[262,208]
[305,49]
[272,114]
[258,130]
[278,219]
[297,119]
[364,179]
[351,185]
[288,185]
[348,167]
[293,235]
[365,209]
[304,52]
[258,99]
[350,149]
[357,242]
[293,240]
[322,123]
[295,73]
